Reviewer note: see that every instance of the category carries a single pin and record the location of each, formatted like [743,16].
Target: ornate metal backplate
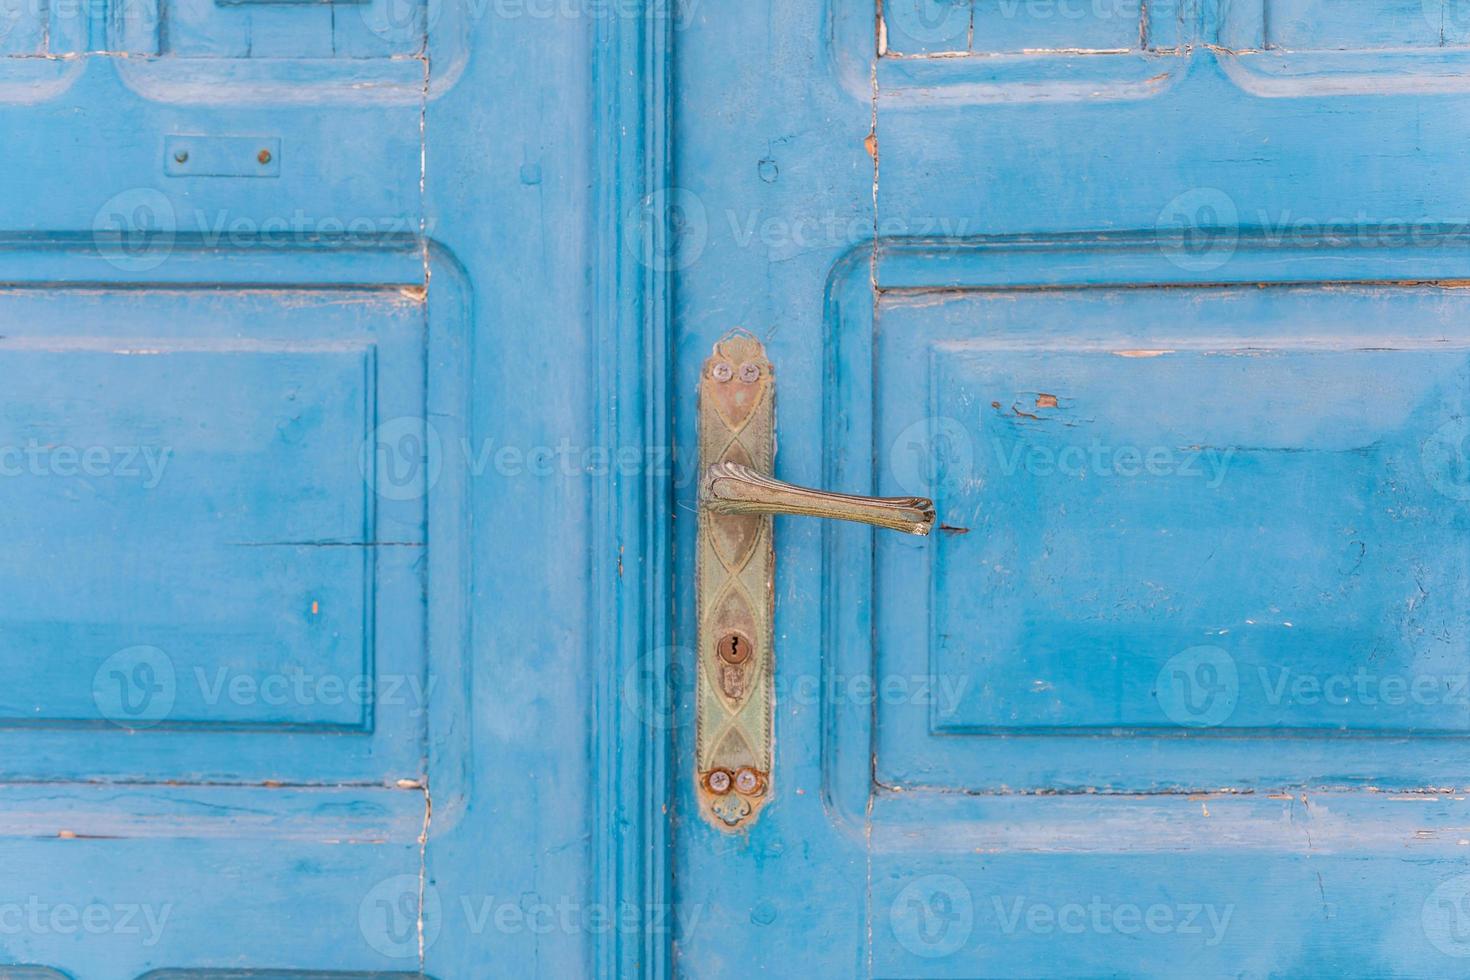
[734,697]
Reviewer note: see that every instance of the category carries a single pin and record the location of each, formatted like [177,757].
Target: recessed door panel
[1184,516]
[208,534]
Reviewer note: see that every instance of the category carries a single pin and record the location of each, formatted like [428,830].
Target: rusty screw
[750,372]
[264,156]
[718,782]
[748,781]
[181,156]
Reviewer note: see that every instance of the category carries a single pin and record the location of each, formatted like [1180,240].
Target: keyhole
[734,648]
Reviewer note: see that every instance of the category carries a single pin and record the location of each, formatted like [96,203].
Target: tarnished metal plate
[734,696]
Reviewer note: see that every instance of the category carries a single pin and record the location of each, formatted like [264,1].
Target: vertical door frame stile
[630,509]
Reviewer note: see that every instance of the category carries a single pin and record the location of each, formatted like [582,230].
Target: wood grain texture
[997,763]
[267,333]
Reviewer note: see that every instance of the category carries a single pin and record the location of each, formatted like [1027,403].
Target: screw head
[748,781]
[721,371]
[750,372]
[181,156]
[718,782]
[264,156]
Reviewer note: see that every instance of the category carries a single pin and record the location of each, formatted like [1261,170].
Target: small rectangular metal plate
[222,156]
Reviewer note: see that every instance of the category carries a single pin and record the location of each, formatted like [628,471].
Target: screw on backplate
[264,156]
[748,781]
[721,371]
[750,372]
[718,782]
[181,156]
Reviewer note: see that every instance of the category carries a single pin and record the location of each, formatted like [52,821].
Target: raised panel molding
[1009,51]
[1295,48]
[285,471]
[915,747]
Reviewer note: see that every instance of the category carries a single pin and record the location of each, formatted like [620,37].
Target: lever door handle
[735,567]
[730,488]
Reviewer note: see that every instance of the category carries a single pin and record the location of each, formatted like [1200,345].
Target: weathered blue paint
[306,306]
[317,635]
[1160,302]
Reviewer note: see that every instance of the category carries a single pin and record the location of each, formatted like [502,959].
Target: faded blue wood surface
[303,680]
[1116,719]
[1130,712]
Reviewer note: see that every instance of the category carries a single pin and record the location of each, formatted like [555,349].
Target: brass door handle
[731,488]
[735,566]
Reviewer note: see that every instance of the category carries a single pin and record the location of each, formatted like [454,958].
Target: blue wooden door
[1162,304]
[296,317]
